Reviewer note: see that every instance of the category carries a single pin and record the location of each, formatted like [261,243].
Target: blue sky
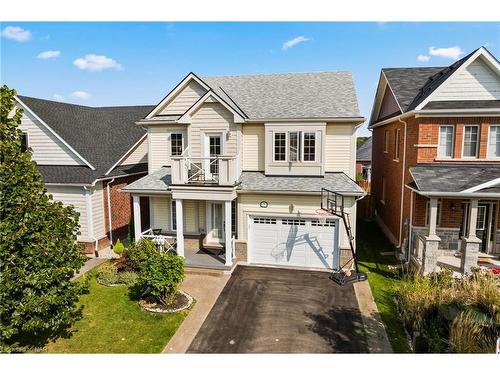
[139,63]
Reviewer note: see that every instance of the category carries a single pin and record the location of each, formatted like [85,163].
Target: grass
[383,280]
[114,323]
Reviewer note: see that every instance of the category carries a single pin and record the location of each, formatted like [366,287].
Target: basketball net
[322,216]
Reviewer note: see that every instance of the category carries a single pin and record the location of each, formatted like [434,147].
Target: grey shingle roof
[463,104]
[452,177]
[129,169]
[257,181]
[67,174]
[364,151]
[289,95]
[101,135]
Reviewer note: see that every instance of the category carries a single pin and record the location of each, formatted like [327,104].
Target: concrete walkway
[376,336]
[93,261]
[205,288]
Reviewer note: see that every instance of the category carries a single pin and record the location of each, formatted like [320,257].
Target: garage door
[298,242]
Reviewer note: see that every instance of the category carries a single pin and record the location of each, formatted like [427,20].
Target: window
[174,215]
[309,146]
[176,144]
[383,190]
[293,222]
[386,141]
[264,220]
[24,142]
[494,142]
[215,149]
[396,145]
[279,146]
[233,217]
[294,147]
[471,139]
[446,135]
[481,218]
[428,213]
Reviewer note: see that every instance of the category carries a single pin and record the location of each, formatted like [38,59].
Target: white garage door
[298,242]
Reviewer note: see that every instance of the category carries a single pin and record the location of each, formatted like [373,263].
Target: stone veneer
[449,238]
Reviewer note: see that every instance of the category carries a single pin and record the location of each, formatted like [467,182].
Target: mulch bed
[181,301]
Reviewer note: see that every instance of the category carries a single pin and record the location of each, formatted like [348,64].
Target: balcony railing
[217,170]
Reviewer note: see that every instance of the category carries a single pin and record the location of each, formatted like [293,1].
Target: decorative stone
[162,310]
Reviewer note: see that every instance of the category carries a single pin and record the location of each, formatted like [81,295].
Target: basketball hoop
[322,215]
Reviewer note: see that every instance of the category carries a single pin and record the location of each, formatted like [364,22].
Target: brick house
[85,156]
[436,162]
[364,160]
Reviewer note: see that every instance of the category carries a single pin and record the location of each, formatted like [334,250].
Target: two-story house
[436,161]
[85,156]
[237,163]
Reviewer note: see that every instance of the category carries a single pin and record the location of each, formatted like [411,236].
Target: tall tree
[38,250]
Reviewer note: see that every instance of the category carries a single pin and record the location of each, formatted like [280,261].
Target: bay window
[446,135]
[494,142]
[294,146]
[471,140]
[279,146]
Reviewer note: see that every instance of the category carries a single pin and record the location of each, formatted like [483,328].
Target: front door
[216,223]
[213,149]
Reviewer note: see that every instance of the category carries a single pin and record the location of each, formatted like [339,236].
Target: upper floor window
[396,145]
[386,141]
[176,144]
[471,141]
[494,142]
[309,146]
[294,147]
[446,135]
[24,142]
[279,146]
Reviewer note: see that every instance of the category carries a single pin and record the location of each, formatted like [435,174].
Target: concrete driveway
[267,310]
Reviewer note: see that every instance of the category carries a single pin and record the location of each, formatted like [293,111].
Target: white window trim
[438,214]
[396,145]
[274,146]
[477,143]
[452,142]
[299,147]
[488,142]
[182,143]
[172,203]
[481,207]
[315,147]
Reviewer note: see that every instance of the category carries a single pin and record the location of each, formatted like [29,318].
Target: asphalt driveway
[267,310]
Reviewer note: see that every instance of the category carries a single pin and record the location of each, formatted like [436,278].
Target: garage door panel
[293,242]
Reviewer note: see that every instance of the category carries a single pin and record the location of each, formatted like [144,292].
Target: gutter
[402,186]
[109,213]
[453,194]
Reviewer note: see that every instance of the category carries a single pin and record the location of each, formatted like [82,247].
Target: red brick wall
[121,207]
[451,212]
[89,247]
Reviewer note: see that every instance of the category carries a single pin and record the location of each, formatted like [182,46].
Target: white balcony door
[215,222]
[213,148]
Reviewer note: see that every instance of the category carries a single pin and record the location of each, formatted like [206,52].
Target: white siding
[75,196]
[303,205]
[160,209]
[47,148]
[476,82]
[159,145]
[194,214]
[98,211]
[213,117]
[253,147]
[184,99]
[138,155]
[340,149]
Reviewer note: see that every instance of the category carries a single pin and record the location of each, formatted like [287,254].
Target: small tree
[38,250]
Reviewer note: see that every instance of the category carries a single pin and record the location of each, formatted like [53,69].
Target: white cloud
[81,95]
[96,63]
[16,33]
[47,55]
[423,58]
[58,97]
[293,42]
[449,53]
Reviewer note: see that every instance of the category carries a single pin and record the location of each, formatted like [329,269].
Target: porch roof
[160,181]
[455,179]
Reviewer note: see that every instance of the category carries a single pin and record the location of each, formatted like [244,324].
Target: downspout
[410,229]
[402,187]
[96,241]
[109,214]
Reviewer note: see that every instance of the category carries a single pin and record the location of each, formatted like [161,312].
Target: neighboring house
[237,163]
[84,153]
[364,160]
[436,161]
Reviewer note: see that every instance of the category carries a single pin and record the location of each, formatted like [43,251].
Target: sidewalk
[93,261]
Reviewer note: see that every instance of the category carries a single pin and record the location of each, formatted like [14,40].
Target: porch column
[136,200]
[227,231]
[470,243]
[180,227]
[431,249]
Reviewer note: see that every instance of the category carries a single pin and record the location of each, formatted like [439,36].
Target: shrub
[107,274]
[128,278]
[139,252]
[161,274]
[118,248]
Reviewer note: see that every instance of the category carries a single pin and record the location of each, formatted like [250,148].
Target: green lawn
[371,242]
[114,323]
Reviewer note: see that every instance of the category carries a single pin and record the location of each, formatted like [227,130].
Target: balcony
[217,170]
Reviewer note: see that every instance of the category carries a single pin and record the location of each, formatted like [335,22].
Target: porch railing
[217,170]
[163,242]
